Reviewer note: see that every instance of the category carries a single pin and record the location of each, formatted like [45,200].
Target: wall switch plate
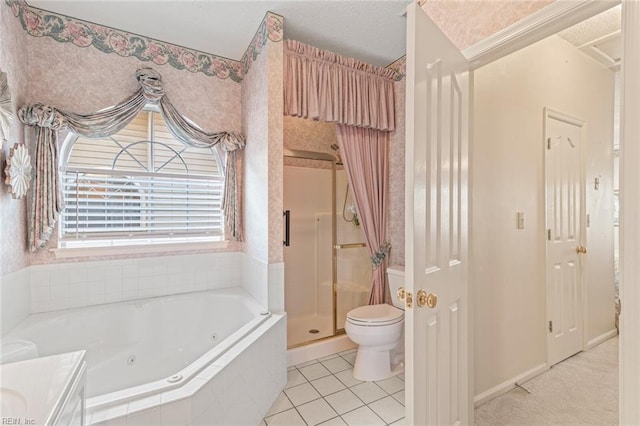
[520,220]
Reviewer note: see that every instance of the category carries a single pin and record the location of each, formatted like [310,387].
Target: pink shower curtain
[365,153]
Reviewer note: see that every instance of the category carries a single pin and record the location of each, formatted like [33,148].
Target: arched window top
[144,145]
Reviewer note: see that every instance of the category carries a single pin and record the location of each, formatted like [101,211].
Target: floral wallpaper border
[271,28]
[399,66]
[64,29]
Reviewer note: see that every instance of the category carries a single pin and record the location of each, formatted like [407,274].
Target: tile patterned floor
[324,392]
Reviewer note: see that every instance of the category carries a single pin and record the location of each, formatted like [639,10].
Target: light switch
[520,220]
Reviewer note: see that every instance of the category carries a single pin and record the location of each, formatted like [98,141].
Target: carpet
[582,390]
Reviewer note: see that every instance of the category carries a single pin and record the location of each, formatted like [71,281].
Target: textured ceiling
[373,31]
[594,28]
[599,37]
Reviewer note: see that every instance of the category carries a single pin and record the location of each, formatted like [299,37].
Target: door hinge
[550,326]
[549,234]
[548,143]
[588,221]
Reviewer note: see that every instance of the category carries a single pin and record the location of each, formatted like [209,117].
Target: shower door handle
[287,223]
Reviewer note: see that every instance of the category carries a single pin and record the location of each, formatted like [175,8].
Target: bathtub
[164,360]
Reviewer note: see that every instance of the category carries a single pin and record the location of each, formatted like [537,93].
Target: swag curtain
[360,98]
[46,202]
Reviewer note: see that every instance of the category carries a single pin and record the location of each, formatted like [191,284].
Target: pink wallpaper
[271,29]
[395,215]
[255,127]
[262,124]
[309,135]
[64,29]
[468,22]
[13,61]
[276,167]
[84,80]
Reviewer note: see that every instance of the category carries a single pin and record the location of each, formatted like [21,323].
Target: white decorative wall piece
[18,171]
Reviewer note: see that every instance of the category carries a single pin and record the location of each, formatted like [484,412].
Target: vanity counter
[43,391]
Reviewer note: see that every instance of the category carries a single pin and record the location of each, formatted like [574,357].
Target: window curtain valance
[46,199]
[322,85]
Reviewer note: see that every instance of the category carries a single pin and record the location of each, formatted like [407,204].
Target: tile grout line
[295,407]
[298,368]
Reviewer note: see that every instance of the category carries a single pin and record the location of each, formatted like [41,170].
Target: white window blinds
[140,186]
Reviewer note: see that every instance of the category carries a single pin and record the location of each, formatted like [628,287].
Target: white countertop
[34,390]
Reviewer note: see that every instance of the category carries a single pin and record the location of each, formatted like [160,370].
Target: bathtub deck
[324,390]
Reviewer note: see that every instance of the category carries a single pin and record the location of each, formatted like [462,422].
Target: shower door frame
[322,156]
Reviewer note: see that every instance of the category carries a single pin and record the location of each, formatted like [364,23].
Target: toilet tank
[395,274]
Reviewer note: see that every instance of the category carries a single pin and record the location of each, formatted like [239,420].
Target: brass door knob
[429,299]
[581,249]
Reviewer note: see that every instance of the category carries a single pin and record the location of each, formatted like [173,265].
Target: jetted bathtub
[169,360]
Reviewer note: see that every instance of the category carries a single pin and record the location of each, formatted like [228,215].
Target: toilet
[379,330]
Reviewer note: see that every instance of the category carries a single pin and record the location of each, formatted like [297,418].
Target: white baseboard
[318,350]
[601,338]
[508,385]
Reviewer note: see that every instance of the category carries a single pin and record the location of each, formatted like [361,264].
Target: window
[139,186]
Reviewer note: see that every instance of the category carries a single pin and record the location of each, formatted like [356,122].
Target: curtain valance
[322,85]
[46,198]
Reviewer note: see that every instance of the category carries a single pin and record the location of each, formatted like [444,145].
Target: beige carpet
[583,390]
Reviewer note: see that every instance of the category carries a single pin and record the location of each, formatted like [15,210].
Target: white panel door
[565,218]
[437,334]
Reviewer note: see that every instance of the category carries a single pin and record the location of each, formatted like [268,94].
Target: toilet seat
[375,315]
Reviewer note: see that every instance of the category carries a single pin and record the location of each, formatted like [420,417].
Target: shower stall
[327,266]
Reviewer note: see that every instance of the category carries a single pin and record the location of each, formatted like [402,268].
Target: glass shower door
[308,203]
[352,263]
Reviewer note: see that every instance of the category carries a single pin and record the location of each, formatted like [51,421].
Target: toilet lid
[378,314]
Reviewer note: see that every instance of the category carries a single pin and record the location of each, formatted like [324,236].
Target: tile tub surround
[237,389]
[323,391]
[264,281]
[72,285]
[15,299]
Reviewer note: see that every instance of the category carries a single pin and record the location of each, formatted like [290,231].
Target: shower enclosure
[327,266]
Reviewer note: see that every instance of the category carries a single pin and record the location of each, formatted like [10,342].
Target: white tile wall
[72,285]
[276,287]
[51,287]
[255,275]
[265,282]
[15,298]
